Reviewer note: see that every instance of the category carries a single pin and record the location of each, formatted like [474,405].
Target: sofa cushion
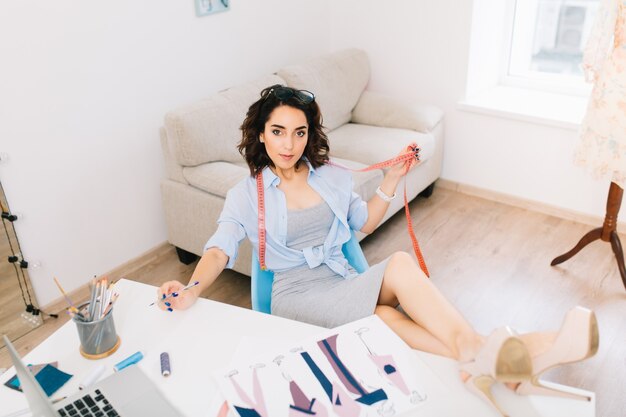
[337,80]
[216,177]
[208,130]
[363,143]
[380,110]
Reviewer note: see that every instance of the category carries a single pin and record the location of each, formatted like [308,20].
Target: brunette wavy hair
[251,148]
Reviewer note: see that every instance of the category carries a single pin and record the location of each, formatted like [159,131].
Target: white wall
[420,49]
[84,87]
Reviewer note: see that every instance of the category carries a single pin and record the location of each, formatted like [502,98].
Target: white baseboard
[82,293]
[594,221]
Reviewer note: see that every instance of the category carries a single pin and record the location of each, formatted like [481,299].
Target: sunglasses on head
[285,93]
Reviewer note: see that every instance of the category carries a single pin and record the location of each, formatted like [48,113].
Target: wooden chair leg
[595,234]
[606,233]
[619,255]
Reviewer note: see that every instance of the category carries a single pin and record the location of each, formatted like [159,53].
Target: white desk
[204,338]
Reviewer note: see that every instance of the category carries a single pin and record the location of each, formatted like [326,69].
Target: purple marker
[165,364]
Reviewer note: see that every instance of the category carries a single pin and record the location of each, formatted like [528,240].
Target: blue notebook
[49,377]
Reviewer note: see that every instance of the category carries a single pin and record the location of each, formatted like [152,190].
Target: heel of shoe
[536,387]
[581,319]
[577,340]
[481,387]
[594,336]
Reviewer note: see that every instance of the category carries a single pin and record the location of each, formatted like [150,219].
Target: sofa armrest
[172,169]
[380,110]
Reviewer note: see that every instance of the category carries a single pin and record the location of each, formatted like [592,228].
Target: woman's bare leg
[412,334]
[405,283]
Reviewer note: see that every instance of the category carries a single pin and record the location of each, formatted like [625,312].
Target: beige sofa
[202,163]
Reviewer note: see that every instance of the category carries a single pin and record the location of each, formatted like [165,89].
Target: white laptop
[127,393]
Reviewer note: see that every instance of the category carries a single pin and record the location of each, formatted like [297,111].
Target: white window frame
[491,91]
[525,15]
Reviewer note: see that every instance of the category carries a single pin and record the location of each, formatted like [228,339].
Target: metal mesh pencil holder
[98,338]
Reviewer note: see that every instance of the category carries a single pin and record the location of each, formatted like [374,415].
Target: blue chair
[261,281]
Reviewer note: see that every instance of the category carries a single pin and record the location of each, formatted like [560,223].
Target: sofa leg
[428,191]
[185,257]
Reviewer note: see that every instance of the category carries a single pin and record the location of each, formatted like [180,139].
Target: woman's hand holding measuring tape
[399,167]
[404,163]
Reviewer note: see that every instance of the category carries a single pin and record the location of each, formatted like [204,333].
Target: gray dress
[320,296]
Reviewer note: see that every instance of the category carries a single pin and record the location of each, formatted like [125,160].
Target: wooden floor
[492,261]
[14,292]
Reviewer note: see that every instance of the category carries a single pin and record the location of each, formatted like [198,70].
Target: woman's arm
[209,267]
[219,252]
[377,206]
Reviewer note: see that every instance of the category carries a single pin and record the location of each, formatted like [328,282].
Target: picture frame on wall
[207,7]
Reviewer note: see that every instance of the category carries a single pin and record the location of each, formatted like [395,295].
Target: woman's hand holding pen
[173,295]
[177,297]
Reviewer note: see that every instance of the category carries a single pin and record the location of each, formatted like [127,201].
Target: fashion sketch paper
[356,370]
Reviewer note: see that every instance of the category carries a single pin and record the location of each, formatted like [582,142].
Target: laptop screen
[38,402]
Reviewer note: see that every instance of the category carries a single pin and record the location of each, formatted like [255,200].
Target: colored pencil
[67,298]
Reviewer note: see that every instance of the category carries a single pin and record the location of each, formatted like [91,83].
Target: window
[547,43]
[524,60]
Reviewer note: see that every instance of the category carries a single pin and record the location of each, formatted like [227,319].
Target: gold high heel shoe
[503,358]
[578,339]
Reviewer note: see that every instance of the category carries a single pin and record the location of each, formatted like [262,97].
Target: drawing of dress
[602,145]
[387,367]
[328,346]
[342,403]
[257,406]
[302,406]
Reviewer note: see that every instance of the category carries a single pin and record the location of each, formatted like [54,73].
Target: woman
[310,208]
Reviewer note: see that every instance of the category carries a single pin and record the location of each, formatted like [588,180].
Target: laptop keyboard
[89,406]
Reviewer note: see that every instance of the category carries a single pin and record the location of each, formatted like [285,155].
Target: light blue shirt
[239,219]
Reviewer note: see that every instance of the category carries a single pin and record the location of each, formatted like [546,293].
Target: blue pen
[132,359]
[175,294]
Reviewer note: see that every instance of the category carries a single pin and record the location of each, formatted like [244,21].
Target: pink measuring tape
[404,158]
